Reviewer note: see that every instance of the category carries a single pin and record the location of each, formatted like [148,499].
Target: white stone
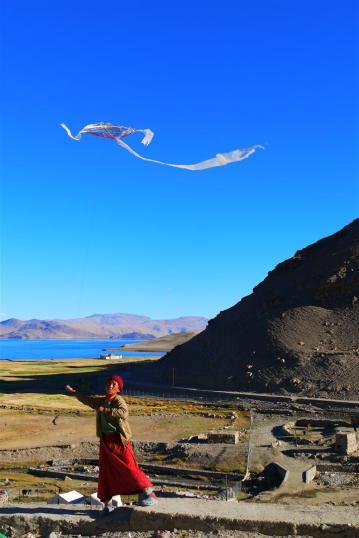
[70,497]
[94,500]
[116,500]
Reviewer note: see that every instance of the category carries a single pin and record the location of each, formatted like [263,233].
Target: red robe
[119,472]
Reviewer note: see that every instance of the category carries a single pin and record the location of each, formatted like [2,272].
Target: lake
[28,350]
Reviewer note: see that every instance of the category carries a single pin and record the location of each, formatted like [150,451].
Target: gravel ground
[338,479]
[177,533]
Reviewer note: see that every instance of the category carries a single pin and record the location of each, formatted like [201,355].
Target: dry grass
[26,430]
[26,417]
[14,369]
[42,402]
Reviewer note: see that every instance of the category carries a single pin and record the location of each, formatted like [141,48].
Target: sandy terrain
[315,496]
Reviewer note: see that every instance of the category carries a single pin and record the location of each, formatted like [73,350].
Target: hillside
[164,343]
[298,331]
[100,326]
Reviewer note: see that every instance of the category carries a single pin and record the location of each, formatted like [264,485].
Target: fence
[162,395]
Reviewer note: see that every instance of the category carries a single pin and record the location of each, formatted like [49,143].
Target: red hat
[118,380]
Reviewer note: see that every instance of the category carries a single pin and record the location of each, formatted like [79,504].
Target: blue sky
[87,228]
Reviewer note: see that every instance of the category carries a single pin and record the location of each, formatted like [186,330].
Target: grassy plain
[34,411]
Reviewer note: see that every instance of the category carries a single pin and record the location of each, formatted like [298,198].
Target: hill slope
[298,331]
[100,326]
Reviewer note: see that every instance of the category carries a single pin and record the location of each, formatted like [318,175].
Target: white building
[110,356]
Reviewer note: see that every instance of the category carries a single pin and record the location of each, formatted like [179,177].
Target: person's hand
[102,409]
[69,389]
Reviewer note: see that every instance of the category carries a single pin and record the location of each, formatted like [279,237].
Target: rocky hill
[100,326]
[297,332]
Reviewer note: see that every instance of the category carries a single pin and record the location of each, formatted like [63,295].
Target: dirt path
[192,514]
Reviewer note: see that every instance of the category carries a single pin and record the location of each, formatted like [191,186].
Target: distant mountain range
[117,326]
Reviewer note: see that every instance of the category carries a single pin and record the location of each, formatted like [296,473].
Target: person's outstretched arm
[92,401]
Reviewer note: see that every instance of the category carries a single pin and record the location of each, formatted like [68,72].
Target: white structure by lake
[110,356]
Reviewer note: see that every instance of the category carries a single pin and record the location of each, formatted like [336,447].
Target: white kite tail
[146,140]
[219,160]
[77,137]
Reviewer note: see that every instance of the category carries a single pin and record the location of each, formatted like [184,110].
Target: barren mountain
[100,326]
[298,331]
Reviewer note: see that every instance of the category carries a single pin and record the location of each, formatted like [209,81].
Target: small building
[70,497]
[110,356]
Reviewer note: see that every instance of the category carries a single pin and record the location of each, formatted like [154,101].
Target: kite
[117,133]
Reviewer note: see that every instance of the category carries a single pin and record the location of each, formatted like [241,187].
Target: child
[119,472]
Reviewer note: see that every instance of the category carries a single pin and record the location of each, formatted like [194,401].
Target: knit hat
[118,380]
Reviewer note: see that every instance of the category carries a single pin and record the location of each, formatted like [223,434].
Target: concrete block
[116,500]
[346,442]
[277,472]
[309,474]
[94,500]
[229,438]
[282,471]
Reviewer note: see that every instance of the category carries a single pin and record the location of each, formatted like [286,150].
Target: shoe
[107,510]
[147,500]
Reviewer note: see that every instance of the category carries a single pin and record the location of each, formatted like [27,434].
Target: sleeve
[119,409]
[92,401]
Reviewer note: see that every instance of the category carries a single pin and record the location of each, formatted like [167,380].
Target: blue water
[28,350]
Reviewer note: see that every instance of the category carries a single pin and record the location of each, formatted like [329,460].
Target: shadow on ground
[48,383]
